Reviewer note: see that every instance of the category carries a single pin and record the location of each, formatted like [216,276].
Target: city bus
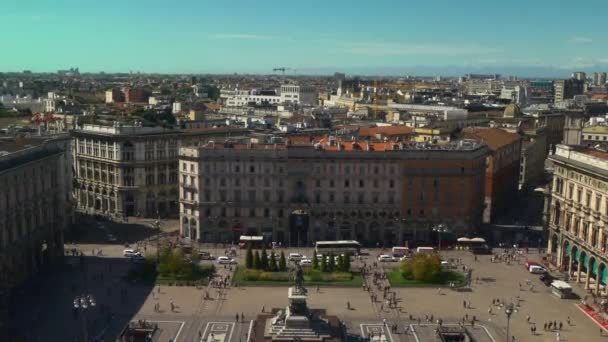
[400,251]
[351,247]
[256,242]
[561,289]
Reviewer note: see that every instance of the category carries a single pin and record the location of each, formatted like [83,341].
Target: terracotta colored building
[502,167]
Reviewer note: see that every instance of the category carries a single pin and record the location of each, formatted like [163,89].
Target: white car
[225,260]
[129,253]
[386,258]
[537,269]
[296,257]
[306,263]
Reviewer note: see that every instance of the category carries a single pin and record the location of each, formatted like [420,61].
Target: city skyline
[319,38]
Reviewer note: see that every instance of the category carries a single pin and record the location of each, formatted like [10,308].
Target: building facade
[35,208]
[578,230]
[126,170]
[376,193]
[502,168]
[567,89]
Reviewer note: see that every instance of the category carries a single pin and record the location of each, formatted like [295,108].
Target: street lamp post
[82,303]
[157,226]
[440,228]
[509,311]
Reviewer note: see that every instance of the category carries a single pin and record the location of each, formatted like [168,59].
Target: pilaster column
[588,277]
[578,271]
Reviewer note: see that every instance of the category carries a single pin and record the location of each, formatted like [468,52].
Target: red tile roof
[495,138]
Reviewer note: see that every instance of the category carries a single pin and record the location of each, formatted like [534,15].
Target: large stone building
[567,89]
[35,208]
[377,193]
[578,221]
[126,170]
[502,168]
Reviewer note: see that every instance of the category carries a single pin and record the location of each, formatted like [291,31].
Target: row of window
[578,194]
[266,212]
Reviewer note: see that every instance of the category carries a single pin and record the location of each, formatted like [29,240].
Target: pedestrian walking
[237,317]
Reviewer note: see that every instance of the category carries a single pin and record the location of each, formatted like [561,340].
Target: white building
[517,94]
[177,107]
[289,94]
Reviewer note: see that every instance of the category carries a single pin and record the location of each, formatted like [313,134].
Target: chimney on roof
[367,145]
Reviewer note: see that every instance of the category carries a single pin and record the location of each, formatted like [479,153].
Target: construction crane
[283,69]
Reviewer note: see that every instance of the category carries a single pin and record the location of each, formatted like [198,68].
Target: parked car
[206,255]
[386,258]
[130,253]
[531,263]
[225,260]
[447,265]
[547,279]
[306,263]
[295,257]
[537,269]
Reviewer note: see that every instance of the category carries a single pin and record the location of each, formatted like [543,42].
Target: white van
[425,250]
[400,251]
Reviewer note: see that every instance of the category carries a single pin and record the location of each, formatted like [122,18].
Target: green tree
[331,262]
[256,261]
[273,262]
[249,258]
[315,262]
[264,259]
[340,264]
[323,263]
[423,267]
[347,262]
[282,263]
[195,258]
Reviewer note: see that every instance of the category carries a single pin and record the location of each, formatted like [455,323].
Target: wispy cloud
[246,36]
[580,40]
[388,49]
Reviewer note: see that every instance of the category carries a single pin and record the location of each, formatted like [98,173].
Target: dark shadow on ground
[95,231]
[42,309]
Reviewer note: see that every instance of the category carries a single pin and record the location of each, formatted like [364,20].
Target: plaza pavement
[44,309]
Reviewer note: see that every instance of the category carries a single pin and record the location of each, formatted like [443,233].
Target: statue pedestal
[297,322]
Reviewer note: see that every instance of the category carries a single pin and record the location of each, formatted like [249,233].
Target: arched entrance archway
[185,227]
[345,231]
[602,277]
[360,232]
[193,229]
[374,233]
[298,228]
[553,247]
[390,234]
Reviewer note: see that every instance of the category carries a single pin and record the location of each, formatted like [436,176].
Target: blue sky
[253,36]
